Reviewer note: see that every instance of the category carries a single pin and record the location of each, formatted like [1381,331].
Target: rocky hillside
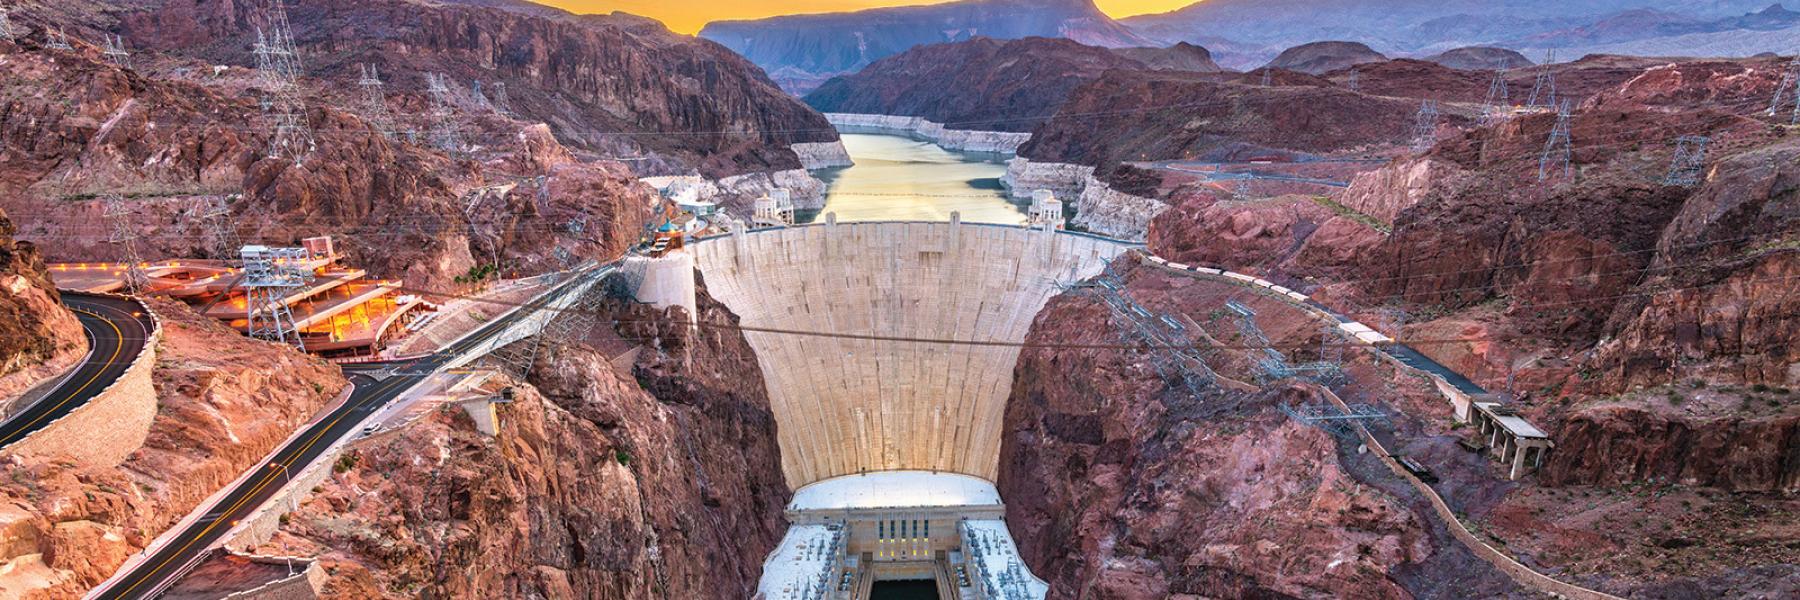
[803,51]
[982,84]
[1317,58]
[660,482]
[1195,117]
[169,137]
[1480,58]
[224,401]
[606,85]
[39,337]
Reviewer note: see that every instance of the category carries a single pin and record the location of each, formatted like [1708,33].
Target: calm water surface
[901,179]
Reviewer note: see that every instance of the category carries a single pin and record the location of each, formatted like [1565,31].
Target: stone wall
[852,405]
[1109,212]
[822,155]
[963,140]
[111,425]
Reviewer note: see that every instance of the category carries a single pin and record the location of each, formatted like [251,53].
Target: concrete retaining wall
[304,585]
[111,425]
[849,405]
[963,140]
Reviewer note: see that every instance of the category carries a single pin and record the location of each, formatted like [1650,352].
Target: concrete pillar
[669,281]
[1518,461]
[487,421]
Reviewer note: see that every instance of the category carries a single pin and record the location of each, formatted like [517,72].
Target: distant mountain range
[802,51]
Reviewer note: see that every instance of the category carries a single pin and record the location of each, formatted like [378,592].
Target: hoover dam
[889,436]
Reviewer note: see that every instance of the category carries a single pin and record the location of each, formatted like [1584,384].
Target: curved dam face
[848,406]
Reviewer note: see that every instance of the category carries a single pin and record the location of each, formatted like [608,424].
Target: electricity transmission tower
[1354,84]
[481,100]
[56,40]
[1425,126]
[6,32]
[1265,78]
[221,240]
[444,134]
[125,236]
[270,274]
[1788,91]
[115,51]
[1689,164]
[1544,88]
[375,100]
[1555,159]
[1497,103]
[502,103]
[1241,191]
[278,61]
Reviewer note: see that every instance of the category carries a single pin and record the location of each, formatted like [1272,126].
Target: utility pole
[1425,126]
[444,133]
[1689,164]
[115,51]
[1544,88]
[1554,162]
[125,236]
[270,274]
[374,99]
[278,61]
[56,40]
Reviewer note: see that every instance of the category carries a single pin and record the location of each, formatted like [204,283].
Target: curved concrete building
[848,406]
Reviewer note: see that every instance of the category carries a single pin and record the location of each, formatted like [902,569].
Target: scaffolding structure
[1167,341]
[374,100]
[1333,419]
[270,276]
[1689,165]
[1275,366]
[446,135]
[579,318]
[278,61]
[125,237]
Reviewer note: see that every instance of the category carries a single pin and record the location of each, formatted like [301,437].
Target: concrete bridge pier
[669,281]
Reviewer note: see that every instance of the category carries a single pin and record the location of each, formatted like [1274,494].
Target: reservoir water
[901,179]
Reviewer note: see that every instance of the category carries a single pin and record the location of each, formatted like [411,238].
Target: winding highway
[376,384]
[117,330]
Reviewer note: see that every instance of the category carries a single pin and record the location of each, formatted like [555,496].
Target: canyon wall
[822,155]
[223,402]
[39,337]
[849,405]
[963,140]
[608,478]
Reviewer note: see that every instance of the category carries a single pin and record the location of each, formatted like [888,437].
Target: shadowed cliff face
[802,51]
[39,337]
[653,480]
[615,86]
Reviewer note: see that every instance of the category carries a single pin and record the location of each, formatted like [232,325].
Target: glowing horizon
[689,16]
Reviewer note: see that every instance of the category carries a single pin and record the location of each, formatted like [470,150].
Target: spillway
[846,406]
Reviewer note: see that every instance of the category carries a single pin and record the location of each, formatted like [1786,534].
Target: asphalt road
[376,384]
[117,330]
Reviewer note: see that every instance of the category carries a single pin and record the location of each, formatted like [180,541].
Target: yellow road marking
[266,480]
[119,338]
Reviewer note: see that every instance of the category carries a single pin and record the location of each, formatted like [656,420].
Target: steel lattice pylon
[1171,349]
[1544,87]
[6,31]
[270,275]
[445,133]
[278,62]
[1554,162]
[1498,103]
[54,39]
[1788,91]
[125,236]
[1689,165]
[1424,133]
[1333,419]
[115,51]
[374,100]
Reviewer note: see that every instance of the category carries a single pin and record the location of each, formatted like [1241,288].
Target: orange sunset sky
[687,16]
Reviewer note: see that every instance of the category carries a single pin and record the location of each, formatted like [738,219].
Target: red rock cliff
[39,337]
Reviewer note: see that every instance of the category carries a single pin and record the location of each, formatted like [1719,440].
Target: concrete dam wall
[846,406]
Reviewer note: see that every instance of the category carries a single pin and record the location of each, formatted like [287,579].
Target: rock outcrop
[1318,58]
[663,482]
[1113,213]
[803,50]
[225,402]
[1480,58]
[39,337]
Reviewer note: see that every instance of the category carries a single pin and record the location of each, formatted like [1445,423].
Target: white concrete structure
[776,209]
[1046,210]
[668,280]
[891,489]
[848,405]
